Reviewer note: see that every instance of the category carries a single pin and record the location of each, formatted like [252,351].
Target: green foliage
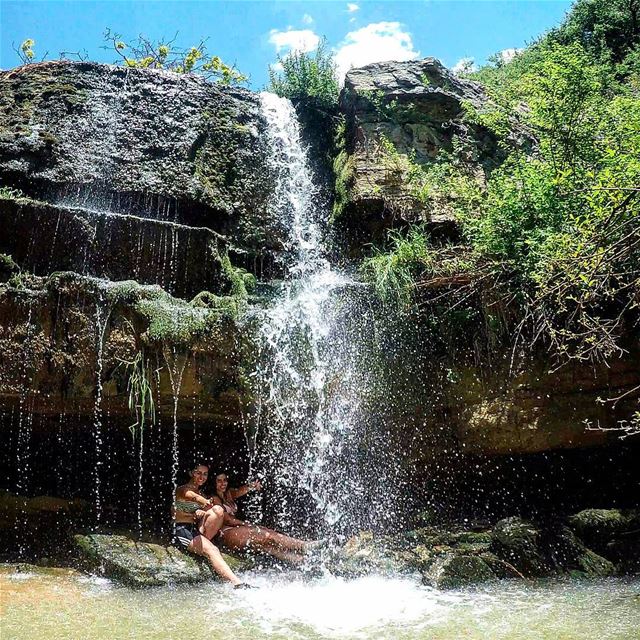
[9,193]
[8,267]
[307,76]
[344,174]
[143,53]
[394,272]
[607,29]
[26,52]
[560,224]
[141,403]
[397,272]
[567,220]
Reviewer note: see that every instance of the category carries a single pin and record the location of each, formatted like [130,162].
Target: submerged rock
[613,533]
[365,553]
[445,559]
[144,564]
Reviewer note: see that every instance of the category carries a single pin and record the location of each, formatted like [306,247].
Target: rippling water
[67,605]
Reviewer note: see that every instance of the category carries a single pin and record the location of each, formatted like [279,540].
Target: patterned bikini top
[230,506]
[186,506]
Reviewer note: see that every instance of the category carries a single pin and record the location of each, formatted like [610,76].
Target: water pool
[63,604]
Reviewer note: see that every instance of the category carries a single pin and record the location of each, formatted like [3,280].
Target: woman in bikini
[198,520]
[235,534]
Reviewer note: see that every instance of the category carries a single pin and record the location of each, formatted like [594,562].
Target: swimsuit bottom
[222,531]
[184,533]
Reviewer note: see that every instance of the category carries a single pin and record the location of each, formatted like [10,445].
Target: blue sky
[251,33]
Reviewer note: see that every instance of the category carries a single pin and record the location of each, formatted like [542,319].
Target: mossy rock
[519,542]
[8,267]
[144,564]
[452,571]
[366,553]
[599,526]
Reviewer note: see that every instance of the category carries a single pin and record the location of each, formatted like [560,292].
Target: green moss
[175,321]
[344,173]
[68,92]
[8,267]
[215,160]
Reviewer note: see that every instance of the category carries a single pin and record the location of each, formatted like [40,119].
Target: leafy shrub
[561,223]
[147,54]
[307,76]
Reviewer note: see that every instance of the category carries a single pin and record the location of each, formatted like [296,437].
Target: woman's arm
[238,492]
[196,497]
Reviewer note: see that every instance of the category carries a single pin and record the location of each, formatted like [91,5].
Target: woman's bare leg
[211,522]
[206,548]
[244,537]
[281,540]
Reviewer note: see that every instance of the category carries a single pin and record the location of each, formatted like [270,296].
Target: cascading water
[312,433]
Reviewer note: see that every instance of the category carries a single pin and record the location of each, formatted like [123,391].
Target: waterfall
[311,430]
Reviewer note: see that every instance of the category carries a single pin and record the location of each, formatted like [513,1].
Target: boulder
[519,543]
[144,564]
[597,527]
[537,551]
[446,559]
[452,571]
[418,107]
[613,533]
[365,554]
[625,552]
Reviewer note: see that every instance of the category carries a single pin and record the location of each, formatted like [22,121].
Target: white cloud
[465,65]
[294,40]
[377,42]
[507,55]
[352,6]
[307,19]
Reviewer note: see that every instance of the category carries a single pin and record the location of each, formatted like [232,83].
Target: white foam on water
[338,608]
[21,576]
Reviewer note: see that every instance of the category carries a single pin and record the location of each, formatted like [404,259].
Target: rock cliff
[418,109]
[135,210]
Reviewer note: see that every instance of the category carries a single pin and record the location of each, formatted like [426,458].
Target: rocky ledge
[418,109]
[513,548]
[145,564]
[152,144]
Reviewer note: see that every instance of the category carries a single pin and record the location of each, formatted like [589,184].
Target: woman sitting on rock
[197,521]
[237,534]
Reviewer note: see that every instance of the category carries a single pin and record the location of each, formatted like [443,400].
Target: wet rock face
[537,551]
[540,410]
[57,332]
[450,558]
[149,143]
[43,238]
[418,107]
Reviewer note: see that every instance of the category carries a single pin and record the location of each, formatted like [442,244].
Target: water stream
[312,364]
